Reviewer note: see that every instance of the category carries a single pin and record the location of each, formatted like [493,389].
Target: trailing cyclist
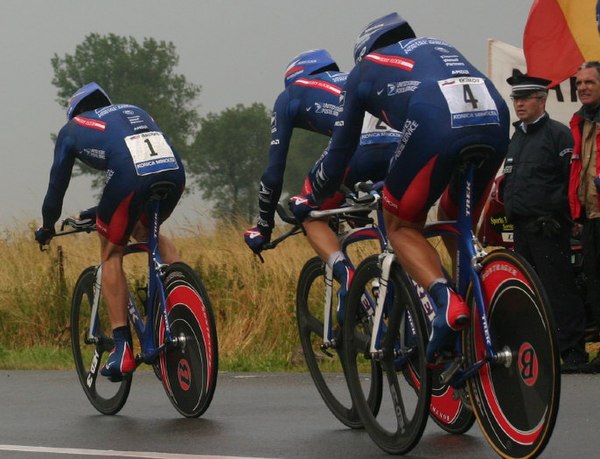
[124,141]
[313,85]
[440,103]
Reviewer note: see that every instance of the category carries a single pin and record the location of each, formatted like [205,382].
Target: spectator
[584,182]
[536,177]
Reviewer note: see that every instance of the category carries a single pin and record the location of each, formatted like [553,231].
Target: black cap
[523,84]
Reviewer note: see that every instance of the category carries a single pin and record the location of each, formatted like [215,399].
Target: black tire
[401,420]
[106,396]
[516,402]
[450,408]
[327,366]
[189,368]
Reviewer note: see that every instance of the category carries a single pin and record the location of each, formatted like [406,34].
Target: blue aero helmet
[308,63]
[381,32]
[88,97]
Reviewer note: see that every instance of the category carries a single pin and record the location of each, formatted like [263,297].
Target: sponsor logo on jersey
[319,84]
[391,61]
[90,123]
[274,122]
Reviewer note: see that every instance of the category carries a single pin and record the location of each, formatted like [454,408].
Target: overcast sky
[236,50]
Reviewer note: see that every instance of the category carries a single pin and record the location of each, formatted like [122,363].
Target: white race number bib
[150,153]
[469,101]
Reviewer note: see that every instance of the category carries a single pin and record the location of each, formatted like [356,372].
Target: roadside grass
[254,303]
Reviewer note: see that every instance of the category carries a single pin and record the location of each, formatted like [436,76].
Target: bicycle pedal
[443,358]
[447,375]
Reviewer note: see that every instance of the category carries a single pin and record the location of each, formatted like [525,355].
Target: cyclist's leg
[325,243]
[417,178]
[91,342]
[121,360]
[118,210]
[166,248]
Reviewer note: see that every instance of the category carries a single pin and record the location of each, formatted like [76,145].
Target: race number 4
[469,102]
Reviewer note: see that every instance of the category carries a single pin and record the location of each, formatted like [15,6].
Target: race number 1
[150,153]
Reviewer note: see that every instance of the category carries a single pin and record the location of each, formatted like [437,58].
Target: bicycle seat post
[470,158]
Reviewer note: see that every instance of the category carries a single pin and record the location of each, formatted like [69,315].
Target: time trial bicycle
[175,325]
[507,358]
[359,219]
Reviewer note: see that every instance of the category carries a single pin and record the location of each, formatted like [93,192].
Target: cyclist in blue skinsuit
[310,101]
[313,84]
[440,103]
[124,141]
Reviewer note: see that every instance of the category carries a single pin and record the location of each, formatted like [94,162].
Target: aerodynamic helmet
[86,98]
[308,63]
[381,32]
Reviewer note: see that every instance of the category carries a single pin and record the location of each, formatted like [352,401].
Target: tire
[515,403]
[450,408]
[327,366]
[401,420]
[106,396]
[188,368]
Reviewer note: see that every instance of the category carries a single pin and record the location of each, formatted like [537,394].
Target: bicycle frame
[144,328]
[346,239]
[469,256]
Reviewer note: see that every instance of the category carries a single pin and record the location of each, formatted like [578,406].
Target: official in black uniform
[536,177]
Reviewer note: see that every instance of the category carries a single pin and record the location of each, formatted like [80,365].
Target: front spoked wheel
[515,399]
[401,420]
[326,362]
[91,353]
[189,365]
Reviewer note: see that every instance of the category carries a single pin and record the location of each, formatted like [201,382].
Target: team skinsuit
[310,101]
[124,141]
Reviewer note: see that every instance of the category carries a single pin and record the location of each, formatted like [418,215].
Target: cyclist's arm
[60,176]
[271,181]
[344,141]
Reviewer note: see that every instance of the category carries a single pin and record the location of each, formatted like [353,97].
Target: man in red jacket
[584,184]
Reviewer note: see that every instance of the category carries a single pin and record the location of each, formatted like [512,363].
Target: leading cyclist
[124,141]
[440,103]
[310,101]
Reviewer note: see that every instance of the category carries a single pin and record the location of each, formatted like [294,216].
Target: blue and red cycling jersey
[312,103]
[124,141]
[309,103]
[426,89]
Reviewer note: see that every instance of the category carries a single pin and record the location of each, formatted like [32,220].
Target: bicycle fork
[386,260]
[329,340]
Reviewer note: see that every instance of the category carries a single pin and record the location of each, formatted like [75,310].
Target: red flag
[559,36]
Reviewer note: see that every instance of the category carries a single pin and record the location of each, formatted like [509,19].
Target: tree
[130,72]
[230,153]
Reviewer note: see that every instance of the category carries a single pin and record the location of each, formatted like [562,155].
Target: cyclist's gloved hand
[302,205]
[44,235]
[258,236]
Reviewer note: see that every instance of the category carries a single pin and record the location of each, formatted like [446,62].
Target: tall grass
[254,303]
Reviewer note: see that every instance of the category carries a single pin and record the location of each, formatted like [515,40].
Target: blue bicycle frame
[144,328]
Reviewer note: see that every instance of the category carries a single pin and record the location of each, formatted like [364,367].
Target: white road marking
[111,453]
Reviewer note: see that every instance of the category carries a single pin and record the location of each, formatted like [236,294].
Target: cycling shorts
[125,201]
[425,160]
